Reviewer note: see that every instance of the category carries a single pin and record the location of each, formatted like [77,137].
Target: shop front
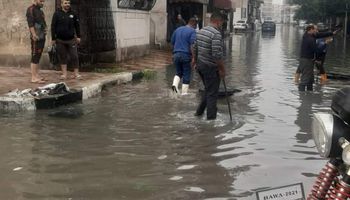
[187,9]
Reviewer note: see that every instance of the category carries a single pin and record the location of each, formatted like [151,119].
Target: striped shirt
[208,46]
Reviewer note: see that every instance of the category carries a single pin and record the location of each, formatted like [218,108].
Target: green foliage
[319,10]
[149,74]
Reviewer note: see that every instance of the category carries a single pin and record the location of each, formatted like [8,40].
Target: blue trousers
[182,62]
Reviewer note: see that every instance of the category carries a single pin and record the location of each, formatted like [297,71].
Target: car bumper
[240,27]
[268,29]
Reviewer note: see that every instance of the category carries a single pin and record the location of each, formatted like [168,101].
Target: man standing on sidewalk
[210,64]
[65,30]
[182,40]
[37,27]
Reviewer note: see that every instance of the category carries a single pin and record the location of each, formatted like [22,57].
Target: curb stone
[92,89]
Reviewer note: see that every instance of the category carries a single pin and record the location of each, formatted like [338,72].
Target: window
[136,4]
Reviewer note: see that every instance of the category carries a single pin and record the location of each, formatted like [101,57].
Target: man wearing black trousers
[307,57]
[208,50]
[65,30]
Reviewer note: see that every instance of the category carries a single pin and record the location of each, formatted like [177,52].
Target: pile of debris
[45,91]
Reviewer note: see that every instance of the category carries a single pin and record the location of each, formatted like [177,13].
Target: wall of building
[137,30]
[267,9]
[14,32]
[277,10]
[132,32]
[158,24]
[241,11]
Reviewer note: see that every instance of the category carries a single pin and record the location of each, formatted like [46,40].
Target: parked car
[268,26]
[240,25]
[302,24]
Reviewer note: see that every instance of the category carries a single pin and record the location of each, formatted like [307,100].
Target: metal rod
[228,102]
[346,23]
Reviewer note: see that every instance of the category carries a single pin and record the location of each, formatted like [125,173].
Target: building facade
[249,10]
[137,27]
[14,32]
[267,10]
[112,30]
[241,10]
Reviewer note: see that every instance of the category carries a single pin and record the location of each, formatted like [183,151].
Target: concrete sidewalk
[92,83]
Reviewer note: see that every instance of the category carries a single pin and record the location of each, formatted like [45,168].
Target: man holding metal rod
[208,58]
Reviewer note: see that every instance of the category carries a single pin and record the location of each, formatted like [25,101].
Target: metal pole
[228,102]
[346,23]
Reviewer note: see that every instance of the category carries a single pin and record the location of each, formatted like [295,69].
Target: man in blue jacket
[182,40]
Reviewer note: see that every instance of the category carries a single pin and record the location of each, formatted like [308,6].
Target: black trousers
[211,81]
[306,67]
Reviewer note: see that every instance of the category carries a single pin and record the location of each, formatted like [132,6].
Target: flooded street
[141,142]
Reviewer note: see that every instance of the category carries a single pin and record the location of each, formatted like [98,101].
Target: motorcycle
[331,133]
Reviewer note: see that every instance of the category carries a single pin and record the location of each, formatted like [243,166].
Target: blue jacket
[182,39]
[321,46]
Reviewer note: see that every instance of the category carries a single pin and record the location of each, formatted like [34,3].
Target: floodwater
[139,141]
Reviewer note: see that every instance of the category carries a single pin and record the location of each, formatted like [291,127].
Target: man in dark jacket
[307,56]
[37,27]
[65,32]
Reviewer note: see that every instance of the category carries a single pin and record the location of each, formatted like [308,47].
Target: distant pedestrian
[182,40]
[321,52]
[37,27]
[65,30]
[308,57]
[179,21]
[208,58]
[199,23]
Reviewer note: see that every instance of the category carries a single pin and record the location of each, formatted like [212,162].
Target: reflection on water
[140,141]
[304,115]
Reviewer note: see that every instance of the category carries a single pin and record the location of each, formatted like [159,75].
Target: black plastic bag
[53,55]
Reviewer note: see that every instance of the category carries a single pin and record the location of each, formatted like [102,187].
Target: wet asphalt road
[140,141]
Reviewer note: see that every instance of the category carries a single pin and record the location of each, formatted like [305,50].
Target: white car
[302,24]
[240,25]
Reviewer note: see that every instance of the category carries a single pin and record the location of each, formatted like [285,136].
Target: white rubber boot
[175,85]
[185,89]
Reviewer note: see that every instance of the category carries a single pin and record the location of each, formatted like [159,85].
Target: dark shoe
[197,114]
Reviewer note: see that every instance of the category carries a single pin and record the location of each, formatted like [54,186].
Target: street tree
[319,10]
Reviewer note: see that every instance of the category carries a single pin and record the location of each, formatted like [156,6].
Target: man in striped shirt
[208,58]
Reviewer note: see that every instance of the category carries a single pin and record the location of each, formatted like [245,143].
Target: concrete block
[17,103]
[54,101]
